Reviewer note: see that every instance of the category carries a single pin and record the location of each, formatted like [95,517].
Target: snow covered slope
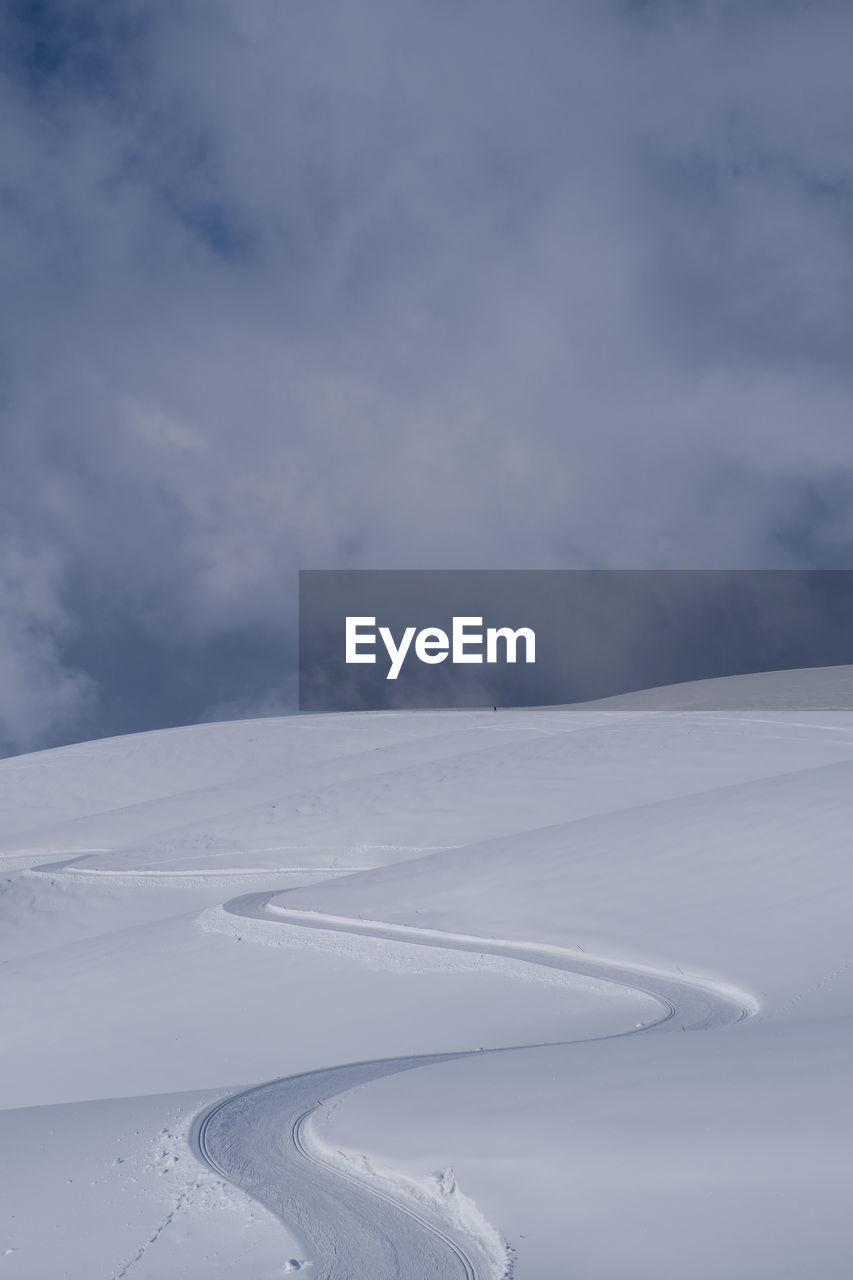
[188,914]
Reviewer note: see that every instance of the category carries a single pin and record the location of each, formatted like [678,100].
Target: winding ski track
[256,1139]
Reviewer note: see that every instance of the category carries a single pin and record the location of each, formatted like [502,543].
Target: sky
[400,285]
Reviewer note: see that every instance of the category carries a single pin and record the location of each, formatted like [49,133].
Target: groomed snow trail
[255,1138]
[353,1232]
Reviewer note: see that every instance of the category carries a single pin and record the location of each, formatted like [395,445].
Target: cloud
[42,699]
[423,285]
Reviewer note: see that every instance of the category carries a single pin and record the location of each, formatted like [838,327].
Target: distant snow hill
[555,992]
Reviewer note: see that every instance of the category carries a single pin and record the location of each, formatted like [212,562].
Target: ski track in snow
[259,1139]
[256,1138]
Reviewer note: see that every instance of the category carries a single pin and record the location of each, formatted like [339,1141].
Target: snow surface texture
[373,914]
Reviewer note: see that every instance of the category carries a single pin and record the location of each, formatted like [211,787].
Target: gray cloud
[415,285]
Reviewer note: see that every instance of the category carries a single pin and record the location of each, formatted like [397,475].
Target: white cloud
[40,698]
[469,285]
